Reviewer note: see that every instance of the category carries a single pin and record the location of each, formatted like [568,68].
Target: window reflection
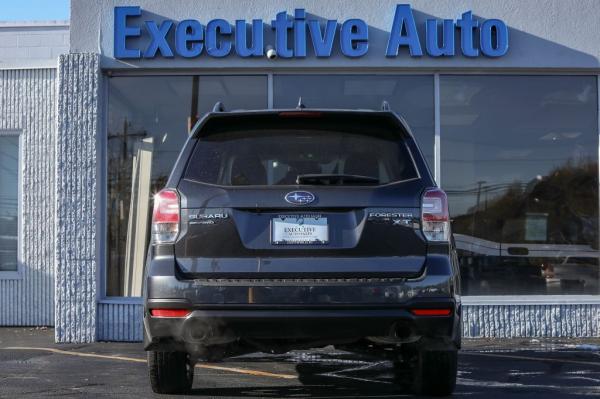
[411,96]
[519,162]
[9,191]
[148,123]
[520,166]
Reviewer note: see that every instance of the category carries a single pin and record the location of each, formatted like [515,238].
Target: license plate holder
[299,230]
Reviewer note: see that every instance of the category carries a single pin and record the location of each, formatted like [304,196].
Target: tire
[170,372]
[435,372]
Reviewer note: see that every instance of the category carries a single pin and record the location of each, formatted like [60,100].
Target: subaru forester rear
[294,229]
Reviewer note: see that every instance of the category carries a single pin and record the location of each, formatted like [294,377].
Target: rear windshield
[280,156]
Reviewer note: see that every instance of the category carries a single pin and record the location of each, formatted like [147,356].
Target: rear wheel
[170,372]
[435,372]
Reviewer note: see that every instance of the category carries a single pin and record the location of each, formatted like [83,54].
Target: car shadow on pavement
[310,386]
[304,391]
[326,376]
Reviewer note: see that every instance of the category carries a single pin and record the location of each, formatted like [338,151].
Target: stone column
[77,213]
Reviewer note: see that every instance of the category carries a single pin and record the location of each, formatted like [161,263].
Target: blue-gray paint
[119,322]
[27,106]
[76,249]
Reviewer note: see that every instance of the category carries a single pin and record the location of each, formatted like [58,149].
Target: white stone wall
[535,320]
[28,106]
[32,44]
[77,210]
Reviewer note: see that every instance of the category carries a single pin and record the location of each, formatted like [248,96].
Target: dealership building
[501,96]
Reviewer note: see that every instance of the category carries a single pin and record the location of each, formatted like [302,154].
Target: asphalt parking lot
[31,365]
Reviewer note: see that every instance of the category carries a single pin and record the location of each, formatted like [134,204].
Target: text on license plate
[299,229]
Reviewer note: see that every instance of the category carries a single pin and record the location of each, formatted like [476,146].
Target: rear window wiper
[324,178]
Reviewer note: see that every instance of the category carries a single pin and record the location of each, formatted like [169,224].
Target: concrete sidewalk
[31,365]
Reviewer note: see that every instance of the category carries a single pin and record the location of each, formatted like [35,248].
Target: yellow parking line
[237,370]
[246,371]
[80,354]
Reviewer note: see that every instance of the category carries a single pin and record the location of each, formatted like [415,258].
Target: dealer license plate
[299,229]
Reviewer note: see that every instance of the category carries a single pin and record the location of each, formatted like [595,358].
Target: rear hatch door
[280,197]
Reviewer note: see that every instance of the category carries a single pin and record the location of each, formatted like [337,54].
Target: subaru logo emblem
[299,197]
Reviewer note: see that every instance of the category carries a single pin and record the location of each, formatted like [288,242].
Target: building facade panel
[120,322]
[32,44]
[76,248]
[513,139]
[28,112]
[543,34]
[539,321]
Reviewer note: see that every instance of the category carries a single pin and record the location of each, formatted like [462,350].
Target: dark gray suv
[302,228]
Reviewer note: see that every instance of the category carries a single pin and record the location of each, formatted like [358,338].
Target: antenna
[219,107]
[385,106]
[300,104]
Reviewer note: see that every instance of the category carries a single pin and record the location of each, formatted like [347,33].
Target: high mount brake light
[165,217]
[300,114]
[169,312]
[435,218]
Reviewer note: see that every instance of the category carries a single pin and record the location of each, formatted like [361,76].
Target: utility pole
[479,184]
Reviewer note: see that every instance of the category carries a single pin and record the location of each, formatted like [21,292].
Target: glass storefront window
[411,96]
[519,161]
[148,123]
[9,206]
[520,165]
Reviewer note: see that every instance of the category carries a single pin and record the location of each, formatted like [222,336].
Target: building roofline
[37,24]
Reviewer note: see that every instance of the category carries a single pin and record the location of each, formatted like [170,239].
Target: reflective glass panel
[148,123]
[411,96]
[9,197]
[520,166]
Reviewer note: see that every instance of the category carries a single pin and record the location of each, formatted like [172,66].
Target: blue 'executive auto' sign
[219,38]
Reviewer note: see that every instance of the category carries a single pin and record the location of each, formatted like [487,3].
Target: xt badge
[393,218]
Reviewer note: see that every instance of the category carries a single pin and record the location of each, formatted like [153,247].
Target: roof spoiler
[219,107]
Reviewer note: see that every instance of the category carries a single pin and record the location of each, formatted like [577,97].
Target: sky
[34,10]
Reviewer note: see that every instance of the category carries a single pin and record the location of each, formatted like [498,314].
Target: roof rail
[385,106]
[300,104]
[219,107]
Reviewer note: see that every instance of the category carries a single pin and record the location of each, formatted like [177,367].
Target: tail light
[435,217]
[431,312]
[165,217]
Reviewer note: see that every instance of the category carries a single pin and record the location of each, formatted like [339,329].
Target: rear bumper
[294,311]
[205,327]
[164,281]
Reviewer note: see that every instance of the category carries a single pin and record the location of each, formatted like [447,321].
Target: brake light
[435,217]
[300,114]
[170,312]
[165,217]
[431,312]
